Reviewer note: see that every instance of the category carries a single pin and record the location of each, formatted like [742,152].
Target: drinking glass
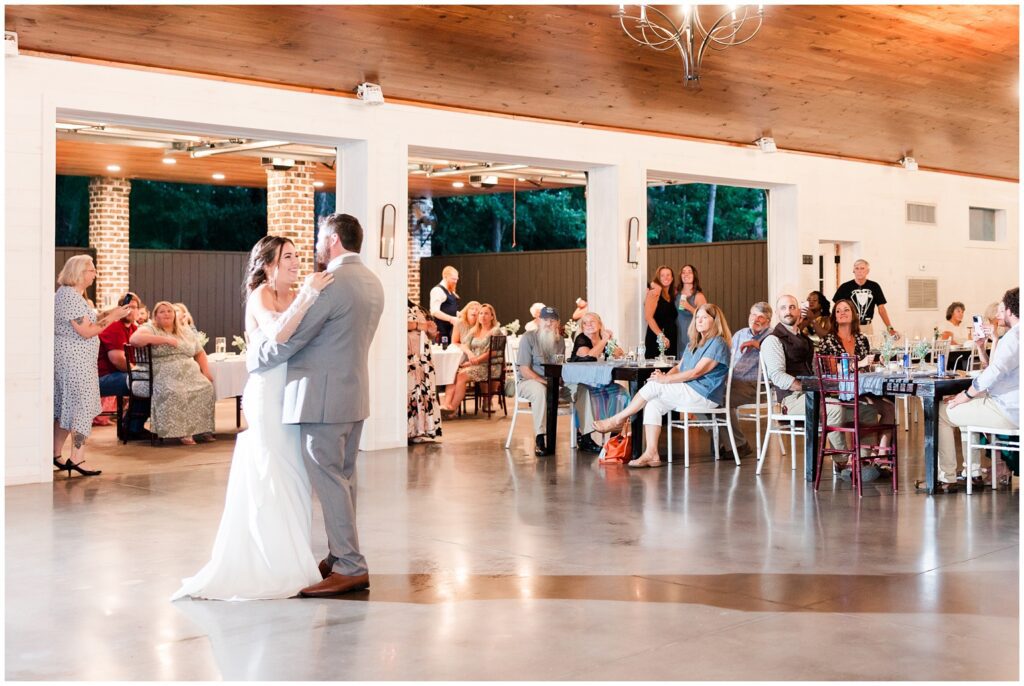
[559,359]
[641,353]
[220,344]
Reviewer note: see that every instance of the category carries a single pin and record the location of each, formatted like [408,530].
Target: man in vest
[787,354]
[444,303]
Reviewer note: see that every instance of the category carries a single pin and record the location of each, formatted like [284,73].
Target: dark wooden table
[931,391]
[636,376]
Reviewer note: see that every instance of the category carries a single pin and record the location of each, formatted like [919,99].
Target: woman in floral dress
[183,396]
[424,409]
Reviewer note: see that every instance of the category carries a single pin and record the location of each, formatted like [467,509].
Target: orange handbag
[619,448]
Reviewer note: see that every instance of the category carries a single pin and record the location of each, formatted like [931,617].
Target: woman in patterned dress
[424,410]
[76,383]
[183,395]
[475,367]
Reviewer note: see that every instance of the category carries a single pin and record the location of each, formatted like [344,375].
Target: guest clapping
[475,367]
[183,395]
[698,383]
[76,388]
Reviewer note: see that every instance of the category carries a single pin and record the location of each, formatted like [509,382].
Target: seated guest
[113,368]
[788,353]
[993,400]
[591,345]
[185,319]
[846,339]
[534,323]
[475,367]
[424,415]
[183,395]
[143,315]
[954,321]
[746,356]
[536,348]
[467,320]
[697,383]
[816,319]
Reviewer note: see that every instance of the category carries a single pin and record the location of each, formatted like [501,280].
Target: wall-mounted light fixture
[388,217]
[633,242]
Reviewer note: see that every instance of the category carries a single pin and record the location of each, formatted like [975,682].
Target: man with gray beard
[535,349]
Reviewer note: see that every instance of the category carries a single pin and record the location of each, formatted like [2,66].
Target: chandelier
[653,28]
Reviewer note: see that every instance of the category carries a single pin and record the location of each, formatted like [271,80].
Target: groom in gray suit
[327,393]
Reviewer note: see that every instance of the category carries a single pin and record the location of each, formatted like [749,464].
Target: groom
[327,393]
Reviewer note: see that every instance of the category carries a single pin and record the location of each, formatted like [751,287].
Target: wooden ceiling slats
[864,81]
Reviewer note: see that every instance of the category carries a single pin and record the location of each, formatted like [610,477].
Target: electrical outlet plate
[808,259]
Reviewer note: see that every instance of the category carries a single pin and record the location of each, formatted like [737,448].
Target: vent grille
[922,294]
[919,213]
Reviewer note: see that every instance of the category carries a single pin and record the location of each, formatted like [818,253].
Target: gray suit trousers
[330,452]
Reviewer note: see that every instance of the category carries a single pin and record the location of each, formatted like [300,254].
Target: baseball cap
[549,313]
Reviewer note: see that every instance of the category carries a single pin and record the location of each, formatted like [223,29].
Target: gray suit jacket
[328,380]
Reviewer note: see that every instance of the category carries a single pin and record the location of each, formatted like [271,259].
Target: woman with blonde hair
[474,368]
[592,344]
[76,346]
[697,383]
[467,320]
[183,397]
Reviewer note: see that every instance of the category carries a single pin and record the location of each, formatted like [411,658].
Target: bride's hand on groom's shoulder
[319,280]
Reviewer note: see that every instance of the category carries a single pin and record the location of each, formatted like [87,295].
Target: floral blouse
[831,345]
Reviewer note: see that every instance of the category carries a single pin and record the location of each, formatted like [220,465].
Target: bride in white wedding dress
[262,549]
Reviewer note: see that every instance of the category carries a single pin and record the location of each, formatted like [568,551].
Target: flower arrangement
[571,328]
[610,347]
[238,342]
[921,348]
[512,328]
[202,338]
[888,349]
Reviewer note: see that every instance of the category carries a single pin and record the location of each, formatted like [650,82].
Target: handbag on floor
[619,448]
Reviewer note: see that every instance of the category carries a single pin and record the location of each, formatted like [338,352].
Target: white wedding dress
[262,549]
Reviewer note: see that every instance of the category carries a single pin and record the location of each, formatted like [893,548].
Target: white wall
[812,198]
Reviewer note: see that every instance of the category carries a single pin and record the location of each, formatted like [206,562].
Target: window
[983,224]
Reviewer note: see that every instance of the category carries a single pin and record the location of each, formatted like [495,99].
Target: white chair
[780,425]
[758,410]
[706,419]
[994,444]
[522,405]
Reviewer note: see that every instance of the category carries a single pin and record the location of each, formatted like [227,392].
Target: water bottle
[444,342]
[844,364]
[941,369]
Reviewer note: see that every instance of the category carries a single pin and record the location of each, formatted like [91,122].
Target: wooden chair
[140,377]
[495,382]
[839,378]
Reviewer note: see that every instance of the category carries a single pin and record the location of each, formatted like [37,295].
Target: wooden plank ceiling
[866,82]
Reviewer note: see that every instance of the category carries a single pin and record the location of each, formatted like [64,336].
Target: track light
[908,163]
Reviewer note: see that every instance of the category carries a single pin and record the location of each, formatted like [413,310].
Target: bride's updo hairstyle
[263,255]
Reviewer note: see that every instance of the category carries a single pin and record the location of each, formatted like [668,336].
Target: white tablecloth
[229,374]
[446,363]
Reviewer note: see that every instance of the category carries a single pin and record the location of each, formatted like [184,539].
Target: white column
[786,273]
[372,174]
[615,289]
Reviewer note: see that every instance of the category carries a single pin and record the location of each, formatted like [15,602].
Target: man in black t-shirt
[866,297]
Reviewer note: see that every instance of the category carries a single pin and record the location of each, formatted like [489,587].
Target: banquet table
[930,388]
[446,363]
[575,372]
[229,378]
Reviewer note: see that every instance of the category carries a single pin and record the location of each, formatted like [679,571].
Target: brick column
[108,234]
[290,209]
[421,225]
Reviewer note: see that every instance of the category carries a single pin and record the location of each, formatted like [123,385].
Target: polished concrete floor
[492,564]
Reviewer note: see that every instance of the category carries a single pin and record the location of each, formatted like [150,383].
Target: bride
[262,549]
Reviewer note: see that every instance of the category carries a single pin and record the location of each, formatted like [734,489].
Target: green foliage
[678,214]
[557,219]
[545,220]
[72,211]
[184,216]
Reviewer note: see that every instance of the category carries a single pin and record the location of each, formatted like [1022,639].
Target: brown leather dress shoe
[336,584]
[325,568]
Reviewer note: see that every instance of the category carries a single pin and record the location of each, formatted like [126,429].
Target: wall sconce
[387,233]
[633,243]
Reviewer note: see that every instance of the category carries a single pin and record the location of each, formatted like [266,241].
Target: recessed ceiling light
[522,179]
[169,160]
[457,184]
[113,168]
[218,176]
[318,184]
